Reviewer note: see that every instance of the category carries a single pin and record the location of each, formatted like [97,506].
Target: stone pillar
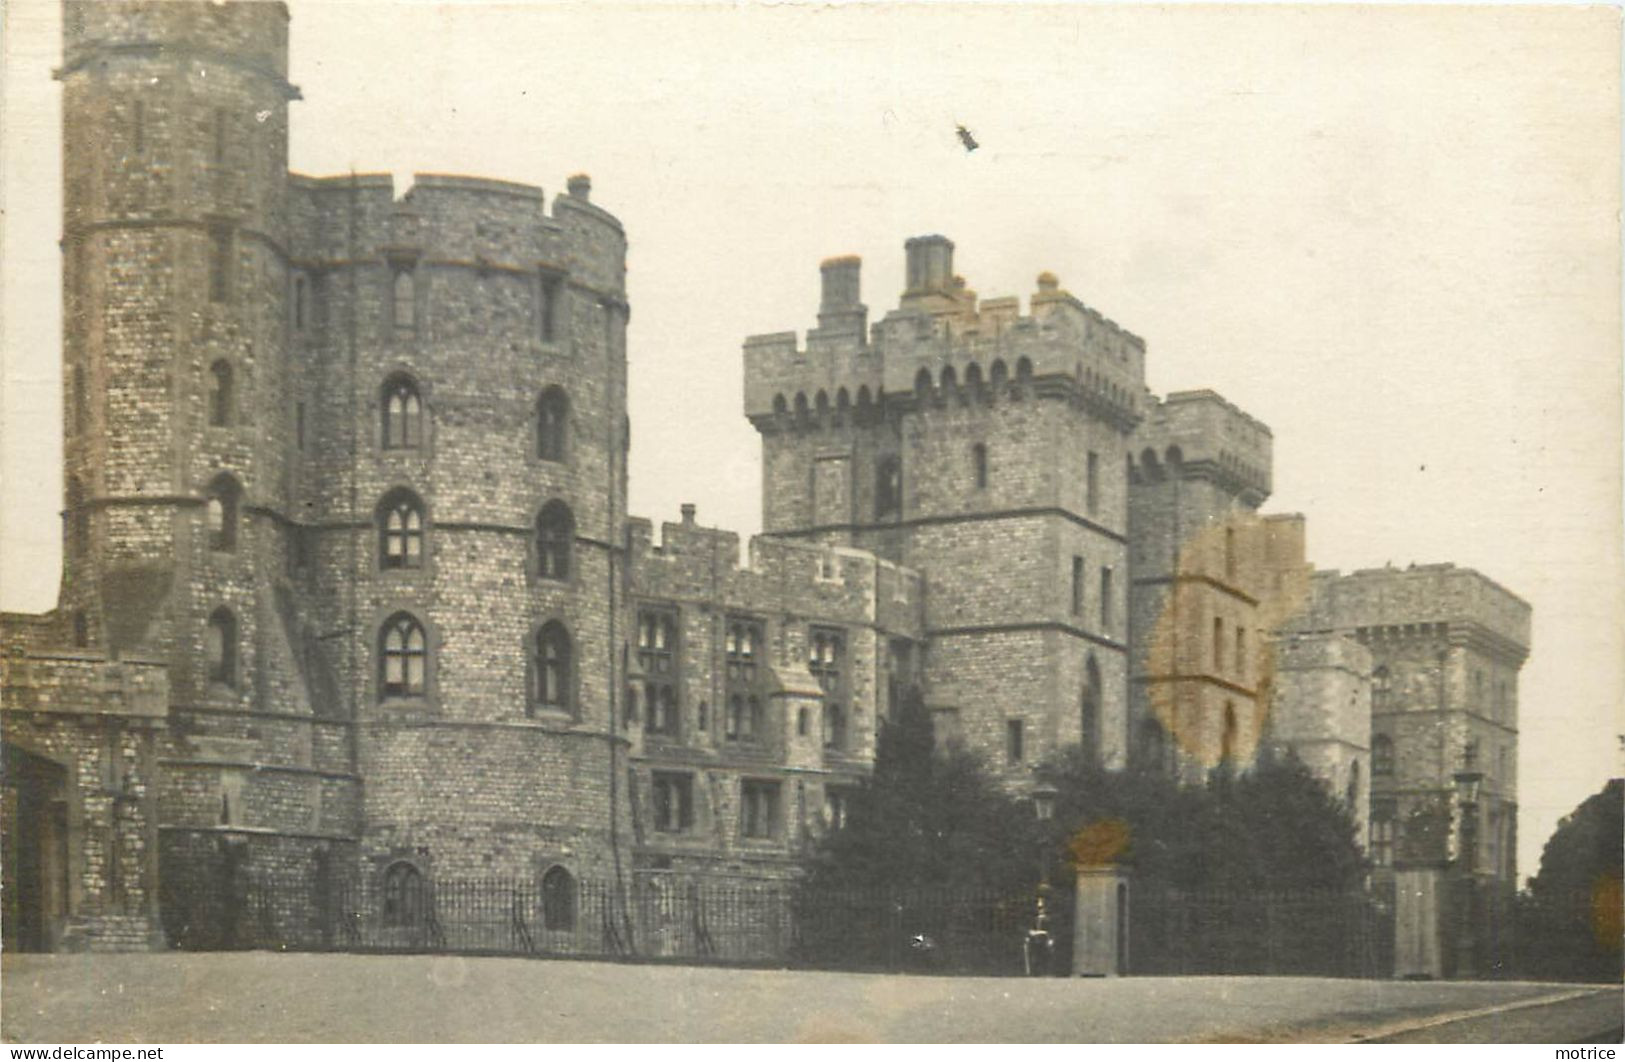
[1419,903]
[1100,929]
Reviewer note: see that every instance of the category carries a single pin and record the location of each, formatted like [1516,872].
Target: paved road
[265,997]
[1595,1018]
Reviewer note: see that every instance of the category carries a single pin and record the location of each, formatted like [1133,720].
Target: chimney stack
[688,514]
[840,309]
[930,264]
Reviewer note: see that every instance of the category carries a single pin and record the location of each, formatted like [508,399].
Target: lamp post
[1039,947]
[1468,783]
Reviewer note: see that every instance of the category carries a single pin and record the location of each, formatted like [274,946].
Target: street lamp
[1039,946]
[1044,796]
[1468,784]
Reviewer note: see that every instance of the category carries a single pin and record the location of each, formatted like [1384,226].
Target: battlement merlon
[249,36]
[1398,601]
[449,219]
[838,583]
[1203,434]
[940,333]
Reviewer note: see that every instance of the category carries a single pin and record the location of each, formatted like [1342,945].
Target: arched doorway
[1090,734]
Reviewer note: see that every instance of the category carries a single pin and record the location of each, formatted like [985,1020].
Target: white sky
[1392,234]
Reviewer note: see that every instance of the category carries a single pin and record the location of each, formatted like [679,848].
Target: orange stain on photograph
[1211,662]
[1101,843]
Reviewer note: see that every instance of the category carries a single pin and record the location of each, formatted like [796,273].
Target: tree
[1273,827]
[1570,919]
[927,818]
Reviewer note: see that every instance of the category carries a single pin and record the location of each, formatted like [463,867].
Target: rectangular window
[1241,653]
[742,653]
[1105,599]
[548,292]
[673,802]
[1383,814]
[1077,586]
[299,424]
[1092,492]
[759,809]
[658,660]
[826,652]
[1218,643]
[405,300]
[836,803]
[1013,738]
[219,264]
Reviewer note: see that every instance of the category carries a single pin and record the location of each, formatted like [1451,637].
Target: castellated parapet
[787,667]
[1198,434]
[940,341]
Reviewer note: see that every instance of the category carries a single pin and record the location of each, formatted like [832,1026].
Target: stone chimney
[687,509]
[840,311]
[580,187]
[930,264]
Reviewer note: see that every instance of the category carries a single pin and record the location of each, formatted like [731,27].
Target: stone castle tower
[351,466]
[985,449]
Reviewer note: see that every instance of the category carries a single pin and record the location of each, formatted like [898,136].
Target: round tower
[462,491]
[175,160]
[175,119]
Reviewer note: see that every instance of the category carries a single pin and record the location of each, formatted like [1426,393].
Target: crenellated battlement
[488,225]
[1421,600]
[1198,434]
[941,342]
[829,583]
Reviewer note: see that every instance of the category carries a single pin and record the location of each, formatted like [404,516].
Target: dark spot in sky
[966,138]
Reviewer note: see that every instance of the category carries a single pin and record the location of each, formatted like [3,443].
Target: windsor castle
[351,590]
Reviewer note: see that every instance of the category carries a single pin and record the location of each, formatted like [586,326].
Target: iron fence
[679,918]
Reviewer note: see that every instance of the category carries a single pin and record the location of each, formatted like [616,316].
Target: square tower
[986,449]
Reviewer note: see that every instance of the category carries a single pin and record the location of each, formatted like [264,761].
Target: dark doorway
[33,850]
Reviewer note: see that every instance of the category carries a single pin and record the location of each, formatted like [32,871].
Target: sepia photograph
[693,522]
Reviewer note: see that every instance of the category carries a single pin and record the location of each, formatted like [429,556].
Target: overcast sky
[1391,234]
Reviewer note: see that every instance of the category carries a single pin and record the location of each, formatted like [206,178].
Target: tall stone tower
[986,449]
[460,429]
[175,237]
[174,155]
[1211,583]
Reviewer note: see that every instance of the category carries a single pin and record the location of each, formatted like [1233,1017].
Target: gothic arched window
[403,657]
[1091,712]
[402,409]
[400,530]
